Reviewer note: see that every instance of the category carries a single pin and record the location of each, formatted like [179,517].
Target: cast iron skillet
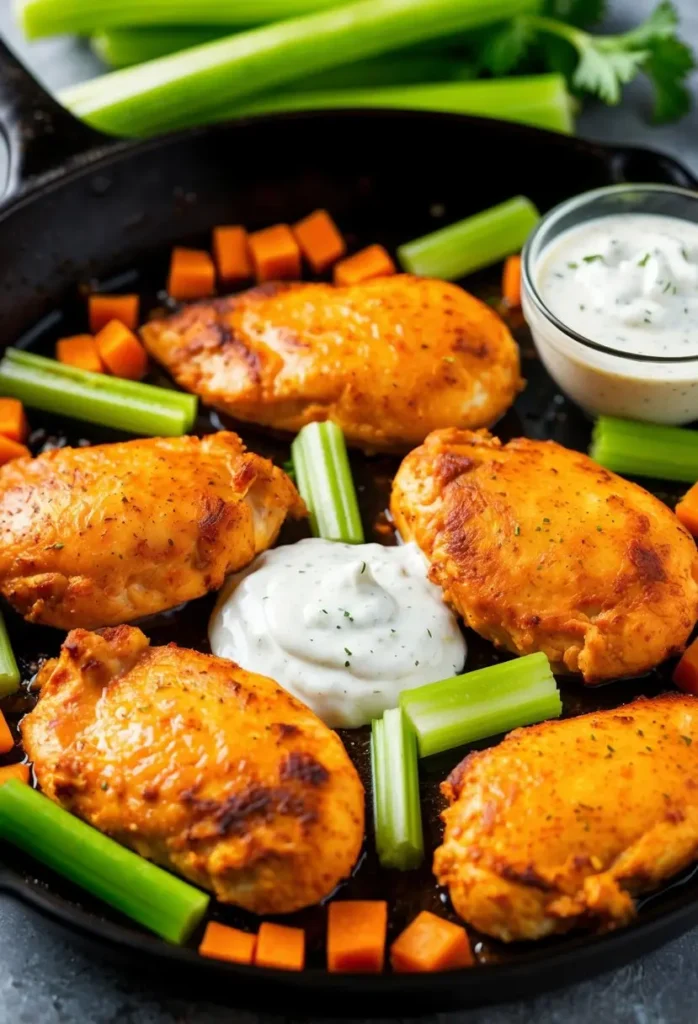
[80,207]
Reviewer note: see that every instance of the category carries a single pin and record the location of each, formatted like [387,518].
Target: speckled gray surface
[45,980]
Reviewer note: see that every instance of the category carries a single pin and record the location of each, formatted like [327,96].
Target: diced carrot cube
[121,351]
[371,262]
[80,351]
[232,254]
[431,944]
[356,931]
[687,510]
[280,947]
[223,943]
[10,450]
[13,419]
[275,254]
[511,282]
[6,740]
[103,308]
[686,672]
[319,240]
[14,771]
[192,274]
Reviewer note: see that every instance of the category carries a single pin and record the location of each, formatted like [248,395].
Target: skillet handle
[41,136]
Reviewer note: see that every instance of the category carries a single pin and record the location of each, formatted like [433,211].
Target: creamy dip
[628,281]
[344,627]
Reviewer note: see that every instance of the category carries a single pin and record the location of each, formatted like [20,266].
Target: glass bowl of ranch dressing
[610,292]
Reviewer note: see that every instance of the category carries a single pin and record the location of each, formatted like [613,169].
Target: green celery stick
[149,895]
[473,243]
[123,47]
[483,703]
[646,449]
[40,18]
[95,398]
[538,100]
[325,483]
[9,673]
[186,87]
[396,804]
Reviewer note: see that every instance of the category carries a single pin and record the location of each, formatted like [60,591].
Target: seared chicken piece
[198,765]
[388,360]
[540,549]
[563,822]
[98,536]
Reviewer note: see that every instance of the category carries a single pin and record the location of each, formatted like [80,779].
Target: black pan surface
[110,217]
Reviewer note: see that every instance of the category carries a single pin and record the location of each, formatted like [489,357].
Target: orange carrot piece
[80,351]
[104,308]
[431,944]
[6,741]
[232,254]
[319,240]
[121,351]
[13,420]
[14,771]
[687,510]
[280,947]
[356,931]
[223,943]
[10,450]
[192,274]
[511,282]
[686,672]
[275,254]
[371,262]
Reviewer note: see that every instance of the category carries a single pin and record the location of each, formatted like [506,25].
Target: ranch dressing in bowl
[610,292]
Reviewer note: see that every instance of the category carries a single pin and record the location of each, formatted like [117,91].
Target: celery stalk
[9,673]
[41,18]
[123,47]
[185,88]
[473,243]
[483,703]
[396,804]
[95,398]
[325,483]
[151,896]
[539,100]
[646,449]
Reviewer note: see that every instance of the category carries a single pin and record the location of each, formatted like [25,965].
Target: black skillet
[81,208]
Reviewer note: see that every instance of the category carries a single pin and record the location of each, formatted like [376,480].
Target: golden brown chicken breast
[98,536]
[198,765]
[563,822]
[540,549]
[388,360]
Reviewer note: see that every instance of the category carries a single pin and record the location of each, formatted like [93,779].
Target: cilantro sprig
[559,40]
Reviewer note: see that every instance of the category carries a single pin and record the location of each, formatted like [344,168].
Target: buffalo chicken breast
[100,536]
[564,822]
[387,360]
[540,549]
[204,768]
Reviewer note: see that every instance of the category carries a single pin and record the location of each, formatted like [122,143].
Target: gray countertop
[45,980]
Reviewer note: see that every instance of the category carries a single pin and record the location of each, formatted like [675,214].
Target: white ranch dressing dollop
[344,627]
